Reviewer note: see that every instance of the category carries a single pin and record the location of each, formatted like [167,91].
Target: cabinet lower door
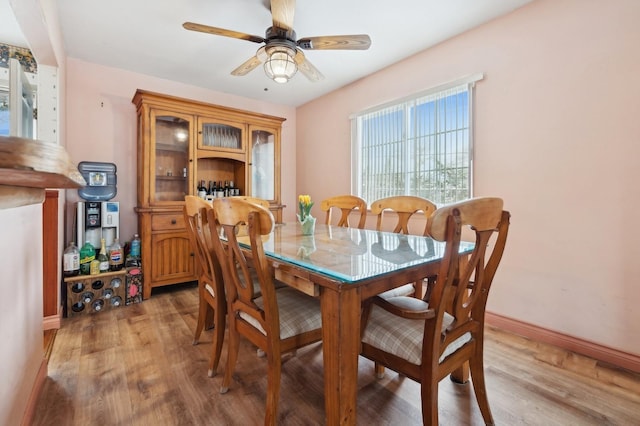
[171,259]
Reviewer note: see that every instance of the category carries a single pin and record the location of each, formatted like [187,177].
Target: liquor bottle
[116,259]
[87,254]
[211,190]
[116,301]
[71,260]
[97,304]
[102,257]
[226,188]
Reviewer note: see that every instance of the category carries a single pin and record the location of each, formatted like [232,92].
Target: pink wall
[101,126]
[556,136]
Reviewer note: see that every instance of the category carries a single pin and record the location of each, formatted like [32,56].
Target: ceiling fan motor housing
[280,34]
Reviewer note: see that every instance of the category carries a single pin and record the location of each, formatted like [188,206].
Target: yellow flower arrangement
[304,204]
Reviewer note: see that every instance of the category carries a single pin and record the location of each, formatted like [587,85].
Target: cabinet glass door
[170,170]
[220,136]
[263,164]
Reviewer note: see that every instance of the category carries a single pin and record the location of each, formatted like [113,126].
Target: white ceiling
[148,38]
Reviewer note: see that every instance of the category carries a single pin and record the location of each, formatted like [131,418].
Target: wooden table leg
[341,346]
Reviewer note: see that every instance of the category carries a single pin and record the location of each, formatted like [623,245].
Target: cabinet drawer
[163,222]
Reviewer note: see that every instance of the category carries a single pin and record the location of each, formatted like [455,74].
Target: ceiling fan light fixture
[280,65]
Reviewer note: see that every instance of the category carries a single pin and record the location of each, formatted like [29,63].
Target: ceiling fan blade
[247,66]
[282,12]
[191,26]
[306,68]
[337,42]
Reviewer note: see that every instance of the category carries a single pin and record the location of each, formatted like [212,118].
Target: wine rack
[87,294]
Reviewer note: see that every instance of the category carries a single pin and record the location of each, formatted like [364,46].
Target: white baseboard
[574,344]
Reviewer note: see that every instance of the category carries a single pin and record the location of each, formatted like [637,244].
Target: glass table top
[350,254]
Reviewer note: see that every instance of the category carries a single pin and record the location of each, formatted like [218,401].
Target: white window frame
[466,83]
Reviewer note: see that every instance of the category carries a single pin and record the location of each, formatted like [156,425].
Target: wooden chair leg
[479,387]
[461,375]
[379,370]
[273,388]
[429,394]
[218,338]
[232,356]
[202,314]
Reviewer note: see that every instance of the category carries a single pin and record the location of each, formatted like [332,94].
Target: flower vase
[308,225]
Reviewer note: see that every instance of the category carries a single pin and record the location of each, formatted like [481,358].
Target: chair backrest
[230,214]
[259,201]
[464,293]
[404,206]
[196,220]
[346,204]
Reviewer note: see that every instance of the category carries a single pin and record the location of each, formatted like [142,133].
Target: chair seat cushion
[298,313]
[403,290]
[401,336]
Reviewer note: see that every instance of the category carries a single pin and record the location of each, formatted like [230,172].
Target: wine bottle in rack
[87,297]
[97,304]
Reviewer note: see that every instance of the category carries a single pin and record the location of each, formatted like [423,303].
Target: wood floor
[136,366]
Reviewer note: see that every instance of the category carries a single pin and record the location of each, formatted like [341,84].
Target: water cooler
[97,220]
[97,217]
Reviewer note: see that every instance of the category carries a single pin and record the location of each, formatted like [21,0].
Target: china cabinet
[182,143]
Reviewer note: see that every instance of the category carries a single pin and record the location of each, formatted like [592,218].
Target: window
[419,145]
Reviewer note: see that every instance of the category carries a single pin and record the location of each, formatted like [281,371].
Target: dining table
[343,267]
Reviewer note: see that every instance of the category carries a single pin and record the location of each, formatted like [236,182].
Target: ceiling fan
[282,54]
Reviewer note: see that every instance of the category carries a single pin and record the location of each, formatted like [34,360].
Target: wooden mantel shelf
[28,166]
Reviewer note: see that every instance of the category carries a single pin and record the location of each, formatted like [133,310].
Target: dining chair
[277,322]
[428,341]
[259,201]
[346,204]
[211,300]
[404,207]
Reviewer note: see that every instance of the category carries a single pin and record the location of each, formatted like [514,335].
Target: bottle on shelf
[95,267]
[71,260]
[220,191]
[133,258]
[102,257]
[233,191]
[202,190]
[116,301]
[226,188]
[116,259]
[87,255]
[212,188]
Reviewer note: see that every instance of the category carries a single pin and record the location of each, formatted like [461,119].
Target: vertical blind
[417,146]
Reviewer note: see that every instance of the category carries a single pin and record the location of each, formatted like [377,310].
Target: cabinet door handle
[173,221]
